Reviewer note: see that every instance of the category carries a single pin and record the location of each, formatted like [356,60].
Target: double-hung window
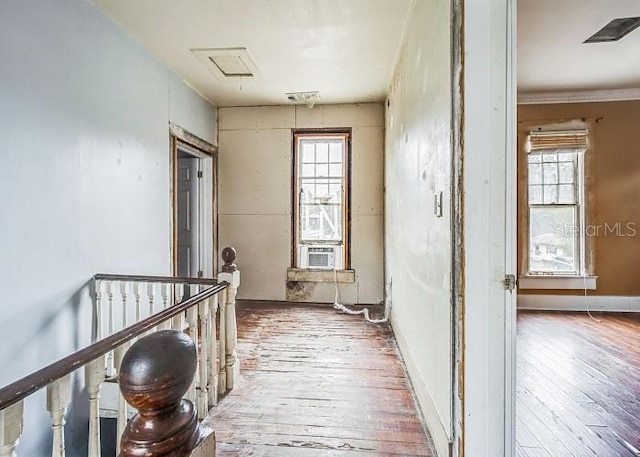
[321,199]
[556,202]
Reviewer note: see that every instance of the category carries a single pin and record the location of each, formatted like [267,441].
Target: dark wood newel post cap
[155,374]
[229,255]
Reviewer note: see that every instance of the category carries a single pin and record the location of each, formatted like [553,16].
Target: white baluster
[164,291]
[123,295]
[203,350]
[98,310]
[58,398]
[150,296]
[178,320]
[222,344]
[136,296]
[109,291]
[11,421]
[213,352]
[192,318]
[233,367]
[120,351]
[93,377]
[108,286]
[231,329]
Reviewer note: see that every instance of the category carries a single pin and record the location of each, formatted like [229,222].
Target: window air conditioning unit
[322,257]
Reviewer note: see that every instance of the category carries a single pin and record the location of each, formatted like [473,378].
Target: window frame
[297,135]
[579,205]
[587,278]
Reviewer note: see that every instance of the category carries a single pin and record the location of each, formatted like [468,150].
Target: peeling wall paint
[299,290]
[418,237]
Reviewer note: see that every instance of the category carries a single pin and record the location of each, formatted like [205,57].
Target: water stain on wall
[299,290]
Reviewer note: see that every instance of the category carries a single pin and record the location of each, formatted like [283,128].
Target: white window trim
[560,282]
[579,205]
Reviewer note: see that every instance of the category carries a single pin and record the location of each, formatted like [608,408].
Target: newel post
[155,374]
[230,274]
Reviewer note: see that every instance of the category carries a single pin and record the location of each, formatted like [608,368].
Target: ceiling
[345,49]
[551,53]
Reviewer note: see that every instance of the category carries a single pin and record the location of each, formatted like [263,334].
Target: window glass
[553,237]
[554,218]
[321,202]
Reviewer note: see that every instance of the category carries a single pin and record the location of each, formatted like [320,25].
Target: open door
[189,220]
[194,224]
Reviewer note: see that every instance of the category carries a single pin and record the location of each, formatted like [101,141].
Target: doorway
[188,214]
[194,209]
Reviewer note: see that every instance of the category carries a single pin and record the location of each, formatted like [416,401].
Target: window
[321,200]
[555,200]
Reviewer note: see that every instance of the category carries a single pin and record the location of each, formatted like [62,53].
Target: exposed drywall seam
[457,221]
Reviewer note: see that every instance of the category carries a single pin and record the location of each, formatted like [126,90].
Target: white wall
[418,243]
[255,197]
[84,173]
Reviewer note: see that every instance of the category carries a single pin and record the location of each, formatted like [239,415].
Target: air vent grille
[615,30]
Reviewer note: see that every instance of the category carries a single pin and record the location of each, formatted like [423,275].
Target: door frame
[208,154]
[511,254]
[486,248]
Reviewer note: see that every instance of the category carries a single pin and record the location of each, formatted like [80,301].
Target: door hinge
[510,282]
[200,274]
[199,174]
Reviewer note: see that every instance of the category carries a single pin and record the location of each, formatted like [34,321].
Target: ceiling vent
[228,63]
[307,98]
[615,30]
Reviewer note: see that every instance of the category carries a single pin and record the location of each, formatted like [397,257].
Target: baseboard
[425,404]
[603,303]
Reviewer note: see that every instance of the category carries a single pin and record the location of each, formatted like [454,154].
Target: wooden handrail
[26,386]
[165,279]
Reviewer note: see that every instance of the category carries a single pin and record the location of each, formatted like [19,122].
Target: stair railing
[141,305]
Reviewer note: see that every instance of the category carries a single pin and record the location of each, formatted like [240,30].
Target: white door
[188,217]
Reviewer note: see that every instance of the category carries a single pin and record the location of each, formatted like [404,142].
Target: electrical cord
[586,299]
[365,311]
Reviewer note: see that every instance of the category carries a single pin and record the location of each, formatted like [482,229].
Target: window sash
[549,149]
[553,177]
[574,229]
[321,187]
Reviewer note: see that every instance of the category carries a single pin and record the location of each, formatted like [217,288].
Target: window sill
[319,275]
[557,282]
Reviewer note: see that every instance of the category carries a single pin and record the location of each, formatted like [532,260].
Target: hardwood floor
[315,382]
[578,385]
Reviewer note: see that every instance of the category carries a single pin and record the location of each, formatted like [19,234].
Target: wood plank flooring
[315,382]
[578,385]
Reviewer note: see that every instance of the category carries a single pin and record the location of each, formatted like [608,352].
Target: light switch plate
[437,204]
